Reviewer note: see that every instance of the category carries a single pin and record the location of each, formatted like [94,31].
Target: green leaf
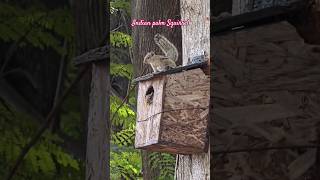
[120,39]
[123,70]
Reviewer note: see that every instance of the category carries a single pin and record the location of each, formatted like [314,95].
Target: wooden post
[195,38]
[98,141]
[98,136]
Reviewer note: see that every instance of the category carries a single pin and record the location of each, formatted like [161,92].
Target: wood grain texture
[149,115]
[244,6]
[98,137]
[266,94]
[195,37]
[93,55]
[187,94]
[176,120]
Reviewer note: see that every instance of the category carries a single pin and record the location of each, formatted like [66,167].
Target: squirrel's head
[147,57]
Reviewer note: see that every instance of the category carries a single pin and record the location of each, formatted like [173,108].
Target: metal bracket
[197,56]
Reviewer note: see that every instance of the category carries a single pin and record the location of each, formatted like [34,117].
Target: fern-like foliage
[124,137]
[125,165]
[43,159]
[36,26]
[120,39]
[116,5]
[123,116]
[126,162]
[163,162]
[122,70]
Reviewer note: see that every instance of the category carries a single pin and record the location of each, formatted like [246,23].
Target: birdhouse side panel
[149,108]
[185,110]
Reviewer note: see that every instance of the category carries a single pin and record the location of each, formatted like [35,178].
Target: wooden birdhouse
[172,111]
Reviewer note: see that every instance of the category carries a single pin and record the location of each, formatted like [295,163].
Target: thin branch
[61,73]
[5,105]
[122,103]
[115,93]
[115,29]
[12,49]
[125,99]
[15,46]
[60,85]
[43,128]
[128,89]
[123,15]
[128,32]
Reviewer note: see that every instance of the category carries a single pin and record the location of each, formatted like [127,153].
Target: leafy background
[36,38]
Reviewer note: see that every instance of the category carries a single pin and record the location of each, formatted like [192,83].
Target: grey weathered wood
[98,125]
[95,85]
[93,55]
[195,37]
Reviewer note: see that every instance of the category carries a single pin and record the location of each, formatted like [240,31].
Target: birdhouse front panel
[149,107]
[172,113]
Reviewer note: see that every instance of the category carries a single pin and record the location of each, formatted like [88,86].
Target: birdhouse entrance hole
[149,95]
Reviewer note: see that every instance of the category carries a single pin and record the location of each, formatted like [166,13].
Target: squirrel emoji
[162,62]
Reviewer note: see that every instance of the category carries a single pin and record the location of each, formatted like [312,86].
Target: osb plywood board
[266,105]
[186,101]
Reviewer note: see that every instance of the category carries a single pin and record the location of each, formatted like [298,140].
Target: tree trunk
[91,29]
[152,10]
[195,38]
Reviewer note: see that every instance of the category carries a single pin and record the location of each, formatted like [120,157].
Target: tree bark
[195,38]
[151,10]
